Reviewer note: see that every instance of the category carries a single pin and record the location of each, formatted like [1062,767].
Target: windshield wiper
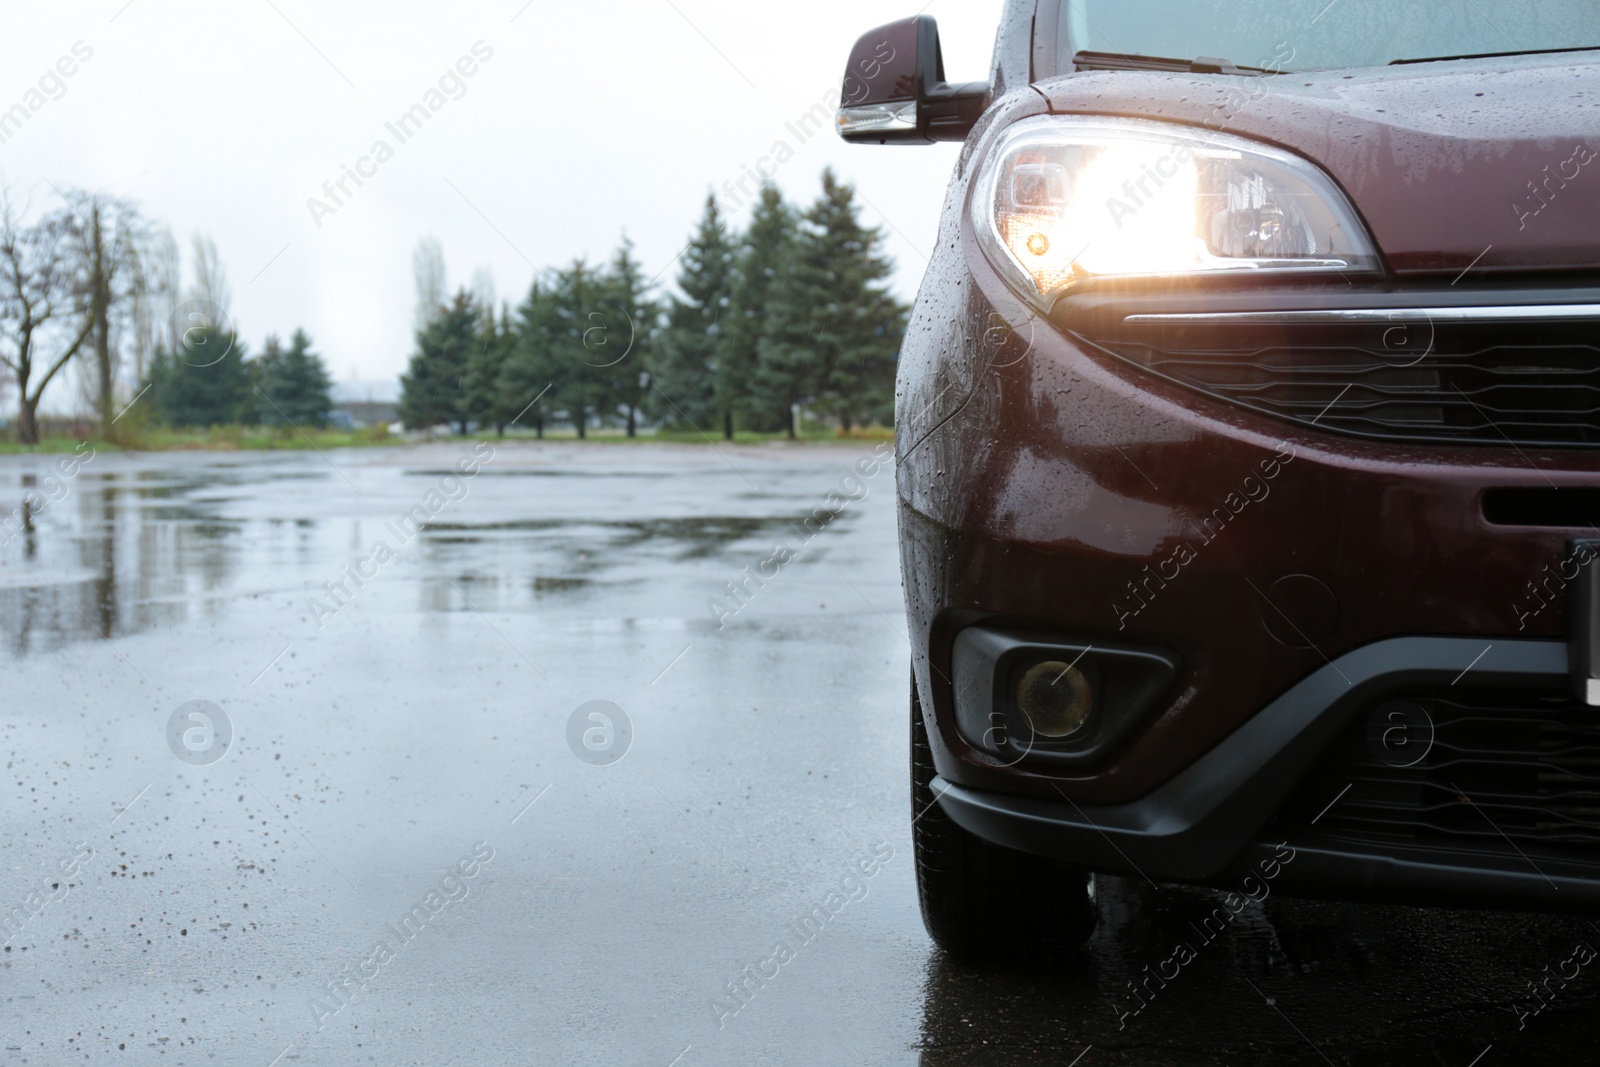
[1497,55]
[1197,65]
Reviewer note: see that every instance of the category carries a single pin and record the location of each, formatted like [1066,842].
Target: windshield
[1317,34]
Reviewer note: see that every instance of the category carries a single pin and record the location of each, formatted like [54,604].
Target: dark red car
[1249,441]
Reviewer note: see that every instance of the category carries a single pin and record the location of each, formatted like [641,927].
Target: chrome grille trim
[1378,316]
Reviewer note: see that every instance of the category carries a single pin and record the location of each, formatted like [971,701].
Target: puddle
[125,547]
[560,585]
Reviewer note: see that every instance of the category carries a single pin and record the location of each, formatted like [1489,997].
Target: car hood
[1492,163]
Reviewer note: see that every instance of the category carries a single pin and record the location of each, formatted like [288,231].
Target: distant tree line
[96,281]
[207,380]
[792,313]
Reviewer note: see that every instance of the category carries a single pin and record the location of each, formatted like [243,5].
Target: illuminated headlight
[1060,201]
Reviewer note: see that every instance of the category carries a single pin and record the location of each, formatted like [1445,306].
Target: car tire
[984,903]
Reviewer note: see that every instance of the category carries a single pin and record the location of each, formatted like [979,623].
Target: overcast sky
[584,121]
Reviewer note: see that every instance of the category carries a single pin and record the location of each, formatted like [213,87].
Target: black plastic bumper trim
[1330,870]
[1194,826]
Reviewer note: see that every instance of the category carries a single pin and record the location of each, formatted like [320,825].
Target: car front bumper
[1213,823]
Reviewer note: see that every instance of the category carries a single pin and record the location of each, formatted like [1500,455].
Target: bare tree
[427,268]
[483,289]
[42,299]
[107,243]
[210,279]
[150,319]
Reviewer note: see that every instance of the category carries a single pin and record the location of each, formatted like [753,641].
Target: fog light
[1056,698]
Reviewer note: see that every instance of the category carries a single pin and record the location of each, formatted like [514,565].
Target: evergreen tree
[582,339]
[628,333]
[759,275]
[291,386]
[582,332]
[530,371]
[693,369]
[833,328]
[486,404]
[264,364]
[432,389]
[204,382]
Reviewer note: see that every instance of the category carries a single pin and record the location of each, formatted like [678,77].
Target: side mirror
[894,90]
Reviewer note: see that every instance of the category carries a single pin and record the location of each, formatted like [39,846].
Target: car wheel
[982,902]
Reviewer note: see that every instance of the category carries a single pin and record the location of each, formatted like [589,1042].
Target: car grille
[1409,377]
[1503,773]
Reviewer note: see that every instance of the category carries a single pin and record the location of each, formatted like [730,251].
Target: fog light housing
[1017,703]
[1055,699]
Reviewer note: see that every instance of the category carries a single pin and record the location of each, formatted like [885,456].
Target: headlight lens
[1063,200]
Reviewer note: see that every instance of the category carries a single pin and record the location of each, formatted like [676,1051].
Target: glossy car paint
[1038,480]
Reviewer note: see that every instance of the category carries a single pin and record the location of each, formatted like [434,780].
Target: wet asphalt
[403,831]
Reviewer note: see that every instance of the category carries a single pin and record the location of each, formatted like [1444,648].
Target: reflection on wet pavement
[119,553]
[132,548]
[1290,981]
